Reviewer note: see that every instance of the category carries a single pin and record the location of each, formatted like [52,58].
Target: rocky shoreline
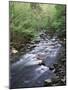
[60,71]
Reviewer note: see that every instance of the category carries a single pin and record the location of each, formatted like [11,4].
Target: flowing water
[33,68]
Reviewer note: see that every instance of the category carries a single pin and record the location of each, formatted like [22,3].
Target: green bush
[28,19]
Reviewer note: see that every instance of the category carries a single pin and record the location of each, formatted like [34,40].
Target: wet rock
[63,79]
[55,80]
[62,74]
[48,82]
[57,71]
[21,49]
[39,62]
[32,42]
[14,51]
[51,68]
[42,63]
[40,56]
[32,46]
[55,65]
[60,66]
[60,83]
[43,36]
[37,41]
[29,47]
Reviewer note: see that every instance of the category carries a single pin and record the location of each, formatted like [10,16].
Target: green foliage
[59,21]
[27,19]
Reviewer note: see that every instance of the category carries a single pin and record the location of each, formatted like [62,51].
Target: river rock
[14,51]
[51,68]
[43,36]
[32,46]
[48,82]
[55,80]
[32,42]
[37,40]
[40,56]
[55,65]
[63,79]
